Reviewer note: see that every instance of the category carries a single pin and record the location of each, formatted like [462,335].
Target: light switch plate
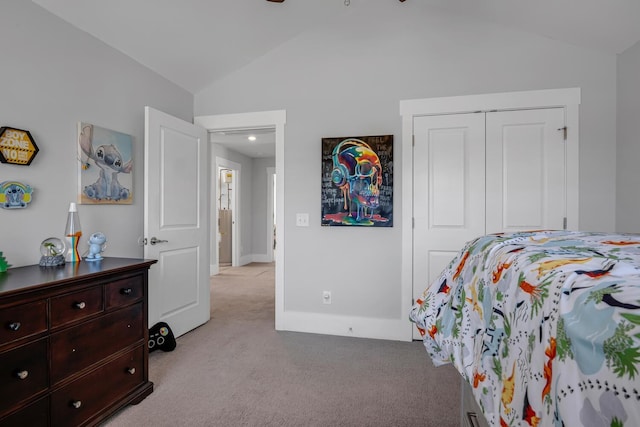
[302,220]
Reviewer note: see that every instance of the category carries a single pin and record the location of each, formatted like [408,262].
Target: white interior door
[176,225]
[449,192]
[525,170]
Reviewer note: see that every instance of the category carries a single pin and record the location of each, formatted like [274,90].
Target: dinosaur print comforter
[544,326]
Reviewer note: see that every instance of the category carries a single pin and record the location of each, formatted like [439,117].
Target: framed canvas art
[357,181]
[106,166]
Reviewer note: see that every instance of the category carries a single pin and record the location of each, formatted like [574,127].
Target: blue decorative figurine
[96,246]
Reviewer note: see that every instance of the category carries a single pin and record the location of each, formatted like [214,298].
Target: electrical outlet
[326,297]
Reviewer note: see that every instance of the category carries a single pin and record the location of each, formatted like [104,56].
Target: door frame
[276,119]
[568,98]
[221,162]
[271,171]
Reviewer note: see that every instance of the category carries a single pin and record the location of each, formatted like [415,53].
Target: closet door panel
[525,180]
[448,183]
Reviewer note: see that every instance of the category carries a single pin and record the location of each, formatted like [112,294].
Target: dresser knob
[76,404]
[126,291]
[22,374]
[80,305]
[131,370]
[14,326]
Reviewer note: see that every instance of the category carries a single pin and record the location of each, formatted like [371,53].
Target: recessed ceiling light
[251,138]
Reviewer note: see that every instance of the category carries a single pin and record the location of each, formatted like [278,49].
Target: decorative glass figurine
[53,251]
[97,242]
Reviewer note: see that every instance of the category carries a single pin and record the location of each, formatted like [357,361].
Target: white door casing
[176,212]
[270,212]
[276,119]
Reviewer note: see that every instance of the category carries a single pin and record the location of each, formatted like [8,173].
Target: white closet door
[449,192]
[525,180]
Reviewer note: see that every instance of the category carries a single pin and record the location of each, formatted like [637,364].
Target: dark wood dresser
[73,341]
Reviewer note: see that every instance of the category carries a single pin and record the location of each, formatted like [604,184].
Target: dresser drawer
[75,306]
[22,321]
[88,395]
[23,373]
[124,292]
[81,346]
[34,415]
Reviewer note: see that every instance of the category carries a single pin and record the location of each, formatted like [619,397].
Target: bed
[544,326]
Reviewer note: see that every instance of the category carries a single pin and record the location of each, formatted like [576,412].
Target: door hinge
[413,301]
[413,223]
[413,140]
[564,223]
[564,132]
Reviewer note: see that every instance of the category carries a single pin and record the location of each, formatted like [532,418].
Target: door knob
[153,241]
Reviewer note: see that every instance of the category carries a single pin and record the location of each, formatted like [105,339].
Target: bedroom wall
[628,153]
[54,76]
[346,78]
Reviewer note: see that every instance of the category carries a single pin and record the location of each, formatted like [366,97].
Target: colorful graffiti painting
[357,181]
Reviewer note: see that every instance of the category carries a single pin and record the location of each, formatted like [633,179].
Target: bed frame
[470,412]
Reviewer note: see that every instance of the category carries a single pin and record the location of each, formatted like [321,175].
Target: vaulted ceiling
[195,42]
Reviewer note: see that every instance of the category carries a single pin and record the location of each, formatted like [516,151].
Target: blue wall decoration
[14,195]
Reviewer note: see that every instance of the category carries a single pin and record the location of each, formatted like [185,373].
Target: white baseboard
[214,269]
[248,259]
[244,260]
[262,258]
[348,326]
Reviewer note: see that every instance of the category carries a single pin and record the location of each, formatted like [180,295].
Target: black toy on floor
[161,338]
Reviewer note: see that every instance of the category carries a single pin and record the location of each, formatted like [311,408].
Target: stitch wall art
[105,166]
[357,181]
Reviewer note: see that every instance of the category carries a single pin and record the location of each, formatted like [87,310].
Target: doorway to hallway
[276,120]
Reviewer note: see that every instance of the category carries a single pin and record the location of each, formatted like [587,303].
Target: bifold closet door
[525,177]
[481,173]
[449,191]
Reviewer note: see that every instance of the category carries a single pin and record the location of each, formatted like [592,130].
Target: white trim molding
[348,326]
[271,214]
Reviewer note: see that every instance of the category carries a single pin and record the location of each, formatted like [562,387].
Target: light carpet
[237,370]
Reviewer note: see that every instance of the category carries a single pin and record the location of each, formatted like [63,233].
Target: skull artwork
[357,171]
